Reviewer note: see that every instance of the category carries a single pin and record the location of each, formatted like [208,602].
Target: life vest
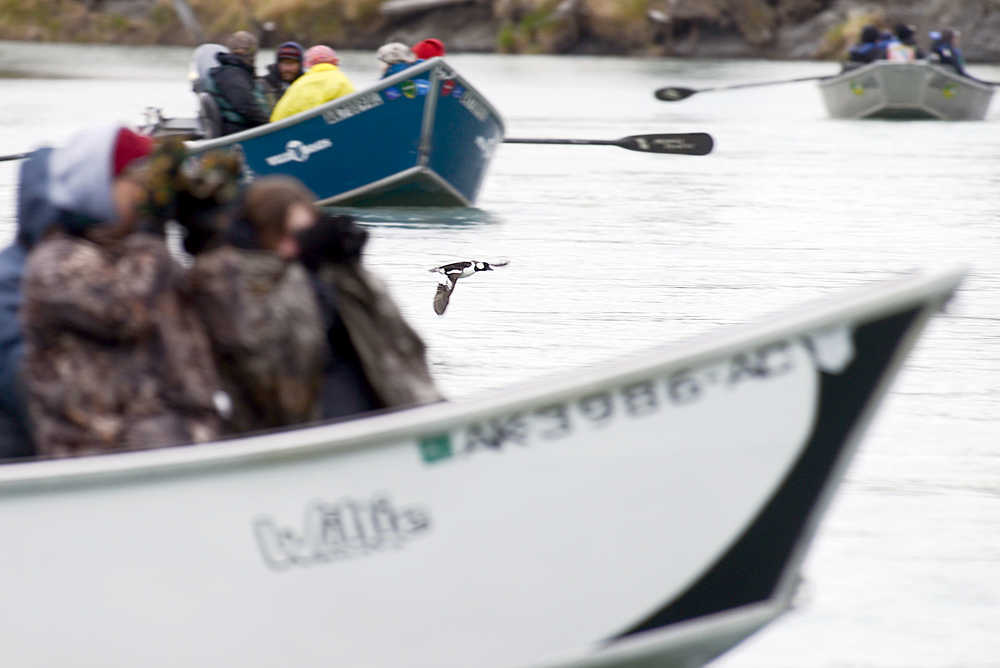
[899,52]
[226,109]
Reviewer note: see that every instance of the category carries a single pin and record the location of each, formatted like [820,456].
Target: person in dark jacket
[944,50]
[286,68]
[904,47]
[233,84]
[57,188]
[869,49]
[376,360]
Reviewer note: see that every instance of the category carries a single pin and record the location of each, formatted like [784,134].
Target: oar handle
[765,83]
[678,93]
[681,143]
[582,142]
[13,156]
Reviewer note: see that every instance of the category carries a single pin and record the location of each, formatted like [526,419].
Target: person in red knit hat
[429,48]
[104,312]
[70,188]
[129,146]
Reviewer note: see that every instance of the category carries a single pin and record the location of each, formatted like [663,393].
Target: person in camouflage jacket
[260,312]
[116,357]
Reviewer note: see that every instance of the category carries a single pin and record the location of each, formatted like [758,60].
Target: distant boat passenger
[904,47]
[869,49]
[286,68]
[234,87]
[944,49]
[428,48]
[395,57]
[322,82]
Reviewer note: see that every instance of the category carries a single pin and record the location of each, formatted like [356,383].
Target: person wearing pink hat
[323,81]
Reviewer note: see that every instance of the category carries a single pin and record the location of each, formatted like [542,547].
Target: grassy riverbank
[692,28]
[157,22]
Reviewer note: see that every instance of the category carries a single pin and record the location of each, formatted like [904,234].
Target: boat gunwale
[882,64]
[388,428]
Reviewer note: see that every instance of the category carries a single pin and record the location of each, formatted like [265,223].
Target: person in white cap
[395,57]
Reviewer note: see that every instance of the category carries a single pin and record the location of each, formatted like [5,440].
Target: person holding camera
[376,360]
[259,309]
[116,358]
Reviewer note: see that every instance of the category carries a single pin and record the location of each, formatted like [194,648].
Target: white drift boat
[651,511]
[886,89]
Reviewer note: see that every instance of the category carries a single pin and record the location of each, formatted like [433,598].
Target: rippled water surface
[612,251]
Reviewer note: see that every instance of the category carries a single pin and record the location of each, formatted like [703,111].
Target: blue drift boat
[423,137]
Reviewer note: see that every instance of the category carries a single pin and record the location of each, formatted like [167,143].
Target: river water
[612,251]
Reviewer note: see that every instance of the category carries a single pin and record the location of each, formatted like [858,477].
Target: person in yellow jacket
[322,82]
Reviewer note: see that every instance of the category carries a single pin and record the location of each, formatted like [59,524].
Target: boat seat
[209,115]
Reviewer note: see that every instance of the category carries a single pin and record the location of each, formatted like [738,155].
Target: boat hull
[423,137]
[905,91]
[655,509]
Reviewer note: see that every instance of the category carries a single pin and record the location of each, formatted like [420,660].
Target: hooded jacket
[376,360]
[234,88]
[322,83]
[946,53]
[869,49]
[56,187]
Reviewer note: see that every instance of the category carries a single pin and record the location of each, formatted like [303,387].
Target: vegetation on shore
[706,28]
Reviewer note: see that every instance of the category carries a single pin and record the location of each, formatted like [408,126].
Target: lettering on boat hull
[336,531]
[793,362]
[352,108]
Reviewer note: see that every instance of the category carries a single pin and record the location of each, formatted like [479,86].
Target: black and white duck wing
[443,294]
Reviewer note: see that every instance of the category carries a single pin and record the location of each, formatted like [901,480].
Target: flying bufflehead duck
[450,273]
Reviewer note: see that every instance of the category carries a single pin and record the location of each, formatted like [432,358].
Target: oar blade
[674,93]
[687,143]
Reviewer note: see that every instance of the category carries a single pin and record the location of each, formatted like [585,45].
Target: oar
[683,143]
[677,93]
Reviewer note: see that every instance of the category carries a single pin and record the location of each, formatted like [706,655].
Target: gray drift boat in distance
[650,511]
[906,91]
